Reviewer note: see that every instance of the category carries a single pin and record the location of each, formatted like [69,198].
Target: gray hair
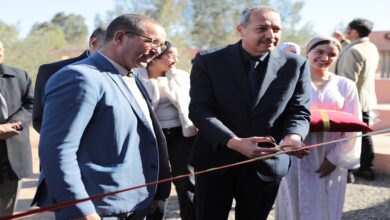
[244,18]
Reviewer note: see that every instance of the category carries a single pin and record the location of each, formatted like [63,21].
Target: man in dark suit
[99,133]
[47,70]
[235,110]
[16,103]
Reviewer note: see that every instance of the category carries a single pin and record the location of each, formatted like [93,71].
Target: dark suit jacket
[44,73]
[221,107]
[16,88]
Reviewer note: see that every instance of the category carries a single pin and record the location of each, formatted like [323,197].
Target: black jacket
[16,88]
[44,73]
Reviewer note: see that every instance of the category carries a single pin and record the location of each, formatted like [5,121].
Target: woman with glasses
[315,186]
[168,88]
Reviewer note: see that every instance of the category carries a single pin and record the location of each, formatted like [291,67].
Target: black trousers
[9,190]
[215,192]
[367,154]
[179,149]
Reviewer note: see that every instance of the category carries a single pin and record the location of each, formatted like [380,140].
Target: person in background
[99,133]
[16,103]
[358,62]
[169,88]
[47,70]
[240,94]
[315,186]
[340,36]
[290,47]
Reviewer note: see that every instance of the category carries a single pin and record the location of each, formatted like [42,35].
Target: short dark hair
[99,33]
[169,45]
[362,26]
[128,22]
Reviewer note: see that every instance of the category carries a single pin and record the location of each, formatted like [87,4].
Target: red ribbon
[100,196]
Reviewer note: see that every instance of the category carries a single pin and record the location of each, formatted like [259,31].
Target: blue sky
[25,13]
[324,15]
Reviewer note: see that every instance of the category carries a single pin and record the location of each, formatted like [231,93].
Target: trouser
[159,211]
[133,216]
[179,152]
[215,192]
[9,189]
[179,149]
[367,153]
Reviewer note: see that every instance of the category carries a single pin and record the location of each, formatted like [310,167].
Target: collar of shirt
[360,40]
[135,91]
[247,57]
[117,66]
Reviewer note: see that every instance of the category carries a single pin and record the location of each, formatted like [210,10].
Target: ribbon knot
[130,73]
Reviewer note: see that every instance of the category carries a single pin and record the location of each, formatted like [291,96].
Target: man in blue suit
[99,133]
[239,95]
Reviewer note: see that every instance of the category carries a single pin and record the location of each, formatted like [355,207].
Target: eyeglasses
[152,41]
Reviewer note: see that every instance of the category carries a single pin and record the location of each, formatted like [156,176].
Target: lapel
[234,60]
[274,63]
[276,60]
[164,167]
[5,73]
[143,91]
[2,80]
[116,77]
[156,125]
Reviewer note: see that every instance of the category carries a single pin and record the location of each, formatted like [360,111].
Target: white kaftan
[302,194]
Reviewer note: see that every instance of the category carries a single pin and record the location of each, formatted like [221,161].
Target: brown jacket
[358,61]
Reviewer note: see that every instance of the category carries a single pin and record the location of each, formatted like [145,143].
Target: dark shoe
[367,174]
[350,177]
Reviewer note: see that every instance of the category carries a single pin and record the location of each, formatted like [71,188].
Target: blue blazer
[221,106]
[95,139]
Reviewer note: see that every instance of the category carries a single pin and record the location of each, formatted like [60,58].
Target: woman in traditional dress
[314,189]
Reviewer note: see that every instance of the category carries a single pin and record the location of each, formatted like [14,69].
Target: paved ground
[364,200]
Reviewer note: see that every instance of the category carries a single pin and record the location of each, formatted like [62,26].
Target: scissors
[284,147]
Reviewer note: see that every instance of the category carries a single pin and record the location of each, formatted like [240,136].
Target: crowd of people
[122,115]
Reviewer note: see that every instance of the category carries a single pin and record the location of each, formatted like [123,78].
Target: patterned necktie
[254,78]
